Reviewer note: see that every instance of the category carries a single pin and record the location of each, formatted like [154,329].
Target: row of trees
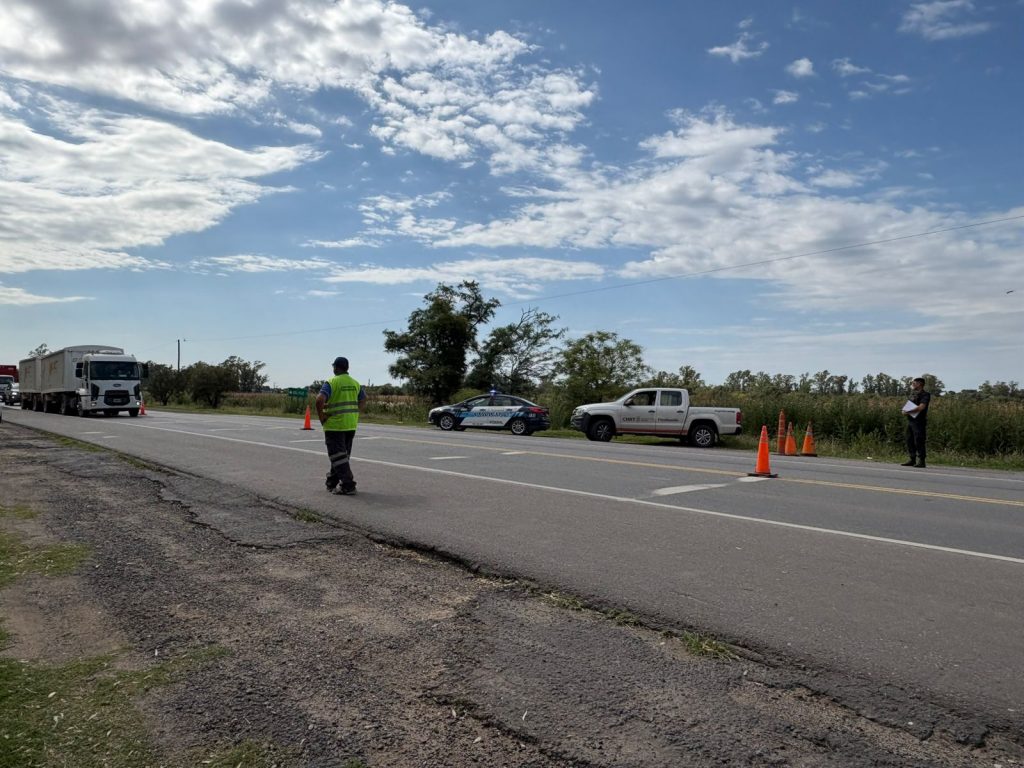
[438,354]
[203,382]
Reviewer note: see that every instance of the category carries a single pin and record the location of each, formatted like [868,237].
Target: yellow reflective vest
[342,408]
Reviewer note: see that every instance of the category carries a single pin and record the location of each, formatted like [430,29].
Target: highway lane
[902,576]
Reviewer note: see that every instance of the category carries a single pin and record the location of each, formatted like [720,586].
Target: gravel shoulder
[334,648]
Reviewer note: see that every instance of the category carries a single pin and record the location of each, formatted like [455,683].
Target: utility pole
[179,353]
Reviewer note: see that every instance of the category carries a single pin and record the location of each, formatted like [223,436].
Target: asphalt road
[899,578]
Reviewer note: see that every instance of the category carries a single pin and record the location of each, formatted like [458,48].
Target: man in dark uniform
[917,424]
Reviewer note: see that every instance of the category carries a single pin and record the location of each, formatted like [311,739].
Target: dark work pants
[916,433]
[339,449]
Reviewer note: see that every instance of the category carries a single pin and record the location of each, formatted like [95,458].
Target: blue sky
[284,179]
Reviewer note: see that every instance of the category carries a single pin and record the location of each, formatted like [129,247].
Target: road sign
[297,392]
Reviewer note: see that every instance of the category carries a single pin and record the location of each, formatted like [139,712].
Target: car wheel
[446,422]
[703,436]
[601,430]
[518,427]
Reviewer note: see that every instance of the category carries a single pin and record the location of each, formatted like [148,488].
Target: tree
[247,375]
[689,378]
[516,356]
[739,381]
[599,366]
[163,383]
[39,351]
[433,349]
[208,383]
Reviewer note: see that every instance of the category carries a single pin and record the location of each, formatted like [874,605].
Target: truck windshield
[107,370]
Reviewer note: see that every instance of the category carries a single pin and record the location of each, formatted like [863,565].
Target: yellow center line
[906,491]
[731,473]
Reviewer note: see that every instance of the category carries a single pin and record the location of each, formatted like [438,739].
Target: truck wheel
[518,427]
[38,403]
[80,408]
[601,430]
[446,422]
[703,436]
[133,412]
[65,405]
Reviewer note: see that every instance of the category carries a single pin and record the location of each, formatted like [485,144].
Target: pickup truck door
[671,412]
[639,413]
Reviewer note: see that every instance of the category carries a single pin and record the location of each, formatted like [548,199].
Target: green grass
[16,559]
[81,713]
[18,511]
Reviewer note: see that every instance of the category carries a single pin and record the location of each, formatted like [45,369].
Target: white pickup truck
[657,411]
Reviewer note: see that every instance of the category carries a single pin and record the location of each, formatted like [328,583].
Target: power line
[650,281]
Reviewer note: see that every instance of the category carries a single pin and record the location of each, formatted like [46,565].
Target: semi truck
[83,380]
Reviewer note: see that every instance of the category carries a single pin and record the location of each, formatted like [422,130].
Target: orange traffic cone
[307,425]
[781,435]
[790,441]
[762,469]
[142,407]
[808,449]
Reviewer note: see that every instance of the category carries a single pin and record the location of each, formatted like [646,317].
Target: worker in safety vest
[338,406]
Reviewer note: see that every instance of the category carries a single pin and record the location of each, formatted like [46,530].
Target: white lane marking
[685,489]
[624,499]
[90,433]
[109,437]
[447,458]
[751,479]
[512,453]
[308,440]
[232,429]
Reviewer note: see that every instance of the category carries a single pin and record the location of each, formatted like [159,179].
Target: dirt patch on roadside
[346,652]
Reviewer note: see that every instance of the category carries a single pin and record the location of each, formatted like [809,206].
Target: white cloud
[845,68]
[351,242]
[102,183]
[739,50]
[720,194]
[433,91]
[254,263]
[785,97]
[942,20]
[19,297]
[517,276]
[801,68]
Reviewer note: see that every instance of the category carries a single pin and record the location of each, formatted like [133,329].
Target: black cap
[341,362]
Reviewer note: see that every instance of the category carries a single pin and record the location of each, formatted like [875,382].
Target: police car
[494,411]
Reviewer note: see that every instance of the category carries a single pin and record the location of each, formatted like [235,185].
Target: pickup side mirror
[78,370]
[628,403]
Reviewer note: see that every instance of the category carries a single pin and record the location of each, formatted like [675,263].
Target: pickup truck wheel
[518,427]
[446,422]
[703,436]
[601,430]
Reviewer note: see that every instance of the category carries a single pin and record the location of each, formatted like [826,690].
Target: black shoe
[347,490]
[331,486]
[920,465]
[908,463]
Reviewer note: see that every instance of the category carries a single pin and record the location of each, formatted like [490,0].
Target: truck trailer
[82,380]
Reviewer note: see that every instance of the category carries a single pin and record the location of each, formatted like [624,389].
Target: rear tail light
[541,411]
[739,417]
